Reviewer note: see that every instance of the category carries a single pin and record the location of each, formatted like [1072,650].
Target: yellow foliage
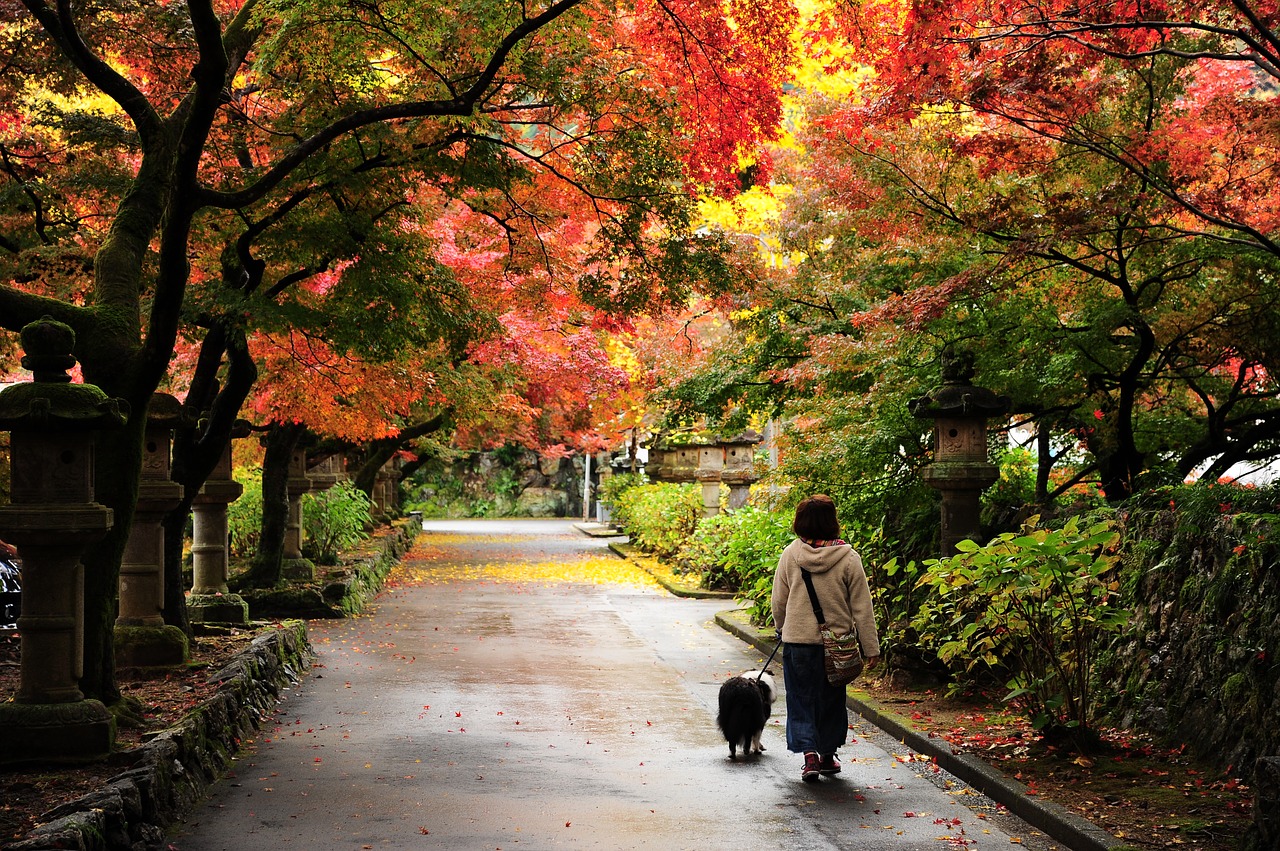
[431,563]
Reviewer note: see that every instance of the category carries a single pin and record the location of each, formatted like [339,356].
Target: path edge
[1055,821]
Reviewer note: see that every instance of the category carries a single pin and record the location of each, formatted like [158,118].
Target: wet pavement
[517,686]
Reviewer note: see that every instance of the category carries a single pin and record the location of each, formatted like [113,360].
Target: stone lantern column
[710,464]
[51,519]
[739,467]
[142,638]
[211,601]
[295,566]
[960,469]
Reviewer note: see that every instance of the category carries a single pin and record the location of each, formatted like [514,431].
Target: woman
[817,721]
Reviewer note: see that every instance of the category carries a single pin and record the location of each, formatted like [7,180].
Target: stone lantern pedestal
[295,565]
[960,469]
[211,601]
[51,520]
[142,637]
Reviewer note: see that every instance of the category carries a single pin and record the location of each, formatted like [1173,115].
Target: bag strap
[813,598]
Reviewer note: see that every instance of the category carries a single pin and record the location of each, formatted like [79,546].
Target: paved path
[518,687]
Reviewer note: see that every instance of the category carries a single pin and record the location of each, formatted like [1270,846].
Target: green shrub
[738,550]
[613,487]
[334,519]
[244,516]
[659,517]
[1034,604]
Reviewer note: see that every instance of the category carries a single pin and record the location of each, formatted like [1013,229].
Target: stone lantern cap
[750,437]
[958,397]
[166,412]
[51,402]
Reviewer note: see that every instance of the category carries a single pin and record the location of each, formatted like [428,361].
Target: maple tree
[1036,71]
[167,167]
[1064,207]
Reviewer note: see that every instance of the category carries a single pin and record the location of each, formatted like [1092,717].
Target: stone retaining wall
[1198,661]
[173,772]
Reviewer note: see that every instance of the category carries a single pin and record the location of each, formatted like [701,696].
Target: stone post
[210,600]
[710,463]
[960,469]
[295,566]
[142,637]
[604,471]
[384,490]
[52,517]
[739,467]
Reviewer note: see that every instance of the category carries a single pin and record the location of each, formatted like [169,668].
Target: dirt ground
[157,701]
[1150,796]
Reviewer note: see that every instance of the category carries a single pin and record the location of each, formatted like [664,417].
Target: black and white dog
[745,704]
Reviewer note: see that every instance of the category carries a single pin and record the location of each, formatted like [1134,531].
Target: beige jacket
[841,585]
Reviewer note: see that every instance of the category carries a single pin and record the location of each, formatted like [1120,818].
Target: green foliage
[613,487]
[1033,604]
[739,550]
[659,517]
[335,519]
[1013,491]
[244,516]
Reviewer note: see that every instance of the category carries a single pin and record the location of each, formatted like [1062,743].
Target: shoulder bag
[841,654]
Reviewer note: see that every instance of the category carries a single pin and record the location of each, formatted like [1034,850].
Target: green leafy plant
[739,550]
[244,516]
[1033,605]
[659,517]
[613,487]
[334,519]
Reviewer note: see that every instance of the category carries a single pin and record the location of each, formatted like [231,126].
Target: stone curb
[172,773]
[1056,822]
[641,559]
[599,530]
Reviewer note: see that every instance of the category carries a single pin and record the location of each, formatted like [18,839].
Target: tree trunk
[1044,464]
[118,467]
[267,568]
[381,451]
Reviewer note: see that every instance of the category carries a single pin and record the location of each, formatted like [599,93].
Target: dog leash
[765,668]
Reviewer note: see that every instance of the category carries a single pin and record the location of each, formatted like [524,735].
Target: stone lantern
[295,565]
[960,469]
[659,463]
[683,464]
[51,519]
[211,601]
[710,464]
[739,466]
[326,474]
[142,638]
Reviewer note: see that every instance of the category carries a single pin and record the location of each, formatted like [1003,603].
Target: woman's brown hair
[816,519]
